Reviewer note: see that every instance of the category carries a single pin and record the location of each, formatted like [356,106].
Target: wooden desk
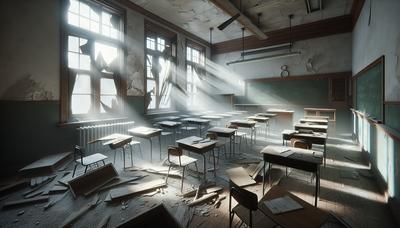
[223,115]
[147,133]
[314,121]
[315,138]
[116,141]
[191,145]
[321,112]
[308,217]
[313,127]
[246,124]
[197,121]
[265,114]
[261,119]
[283,119]
[227,133]
[307,160]
[171,118]
[170,125]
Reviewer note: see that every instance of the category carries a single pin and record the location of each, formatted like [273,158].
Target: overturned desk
[147,133]
[199,146]
[297,158]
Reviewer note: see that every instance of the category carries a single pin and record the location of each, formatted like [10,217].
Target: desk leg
[159,141]
[263,181]
[325,154]
[174,135]
[215,170]
[123,154]
[317,184]
[199,130]
[151,149]
[205,168]
[269,174]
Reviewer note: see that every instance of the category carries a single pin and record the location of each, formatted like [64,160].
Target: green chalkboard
[369,90]
[392,116]
[289,92]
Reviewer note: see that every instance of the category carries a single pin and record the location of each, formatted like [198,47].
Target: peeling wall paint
[135,54]
[320,55]
[30,52]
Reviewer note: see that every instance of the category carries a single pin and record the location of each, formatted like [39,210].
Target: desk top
[195,144]
[273,110]
[223,115]
[321,109]
[243,123]
[171,118]
[145,132]
[318,121]
[295,133]
[169,123]
[265,114]
[222,130]
[196,120]
[211,117]
[308,217]
[314,127]
[258,118]
[110,137]
[301,155]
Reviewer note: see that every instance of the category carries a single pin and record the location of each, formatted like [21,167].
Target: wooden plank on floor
[141,187]
[240,177]
[21,202]
[46,164]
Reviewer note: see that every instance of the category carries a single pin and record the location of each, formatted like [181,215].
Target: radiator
[89,133]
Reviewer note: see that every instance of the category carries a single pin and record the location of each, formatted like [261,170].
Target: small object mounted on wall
[285,71]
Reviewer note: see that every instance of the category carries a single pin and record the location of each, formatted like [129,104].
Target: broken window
[194,72]
[159,71]
[94,59]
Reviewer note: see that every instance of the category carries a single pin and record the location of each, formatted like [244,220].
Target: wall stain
[27,89]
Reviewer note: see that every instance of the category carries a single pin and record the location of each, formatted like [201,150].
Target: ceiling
[197,16]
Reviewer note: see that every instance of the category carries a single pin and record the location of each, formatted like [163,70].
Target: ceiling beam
[356,10]
[231,10]
[331,26]
[162,21]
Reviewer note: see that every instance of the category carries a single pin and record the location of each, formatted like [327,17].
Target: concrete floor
[357,200]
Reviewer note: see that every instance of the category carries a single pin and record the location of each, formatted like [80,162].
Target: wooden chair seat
[259,218]
[88,160]
[185,160]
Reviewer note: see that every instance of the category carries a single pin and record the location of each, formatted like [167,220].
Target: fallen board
[240,177]
[13,186]
[141,187]
[16,203]
[46,164]
[92,180]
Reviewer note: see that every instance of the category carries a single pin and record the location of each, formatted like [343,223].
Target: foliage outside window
[93,40]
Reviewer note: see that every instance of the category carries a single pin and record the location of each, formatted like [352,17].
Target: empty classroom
[200,113]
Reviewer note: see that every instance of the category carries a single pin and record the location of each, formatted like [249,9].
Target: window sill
[89,122]
[158,112]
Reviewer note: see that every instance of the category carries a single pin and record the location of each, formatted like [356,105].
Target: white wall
[380,37]
[327,54]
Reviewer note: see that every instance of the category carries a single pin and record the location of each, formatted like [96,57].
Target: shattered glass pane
[110,101]
[107,87]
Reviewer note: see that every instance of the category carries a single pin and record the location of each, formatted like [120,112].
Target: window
[194,72]
[160,63]
[93,43]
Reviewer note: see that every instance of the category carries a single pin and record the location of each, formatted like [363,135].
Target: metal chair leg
[131,154]
[86,167]
[197,170]
[115,154]
[103,162]
[166,179]
[140,151]
[73,173]
[183,177]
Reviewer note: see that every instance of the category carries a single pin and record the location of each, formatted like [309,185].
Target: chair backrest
[175,151]
[212,136]
[300,143]
[78,153]
[244,197]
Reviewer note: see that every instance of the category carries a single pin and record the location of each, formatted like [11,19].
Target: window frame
[67,30]
[201,65]
[169,37]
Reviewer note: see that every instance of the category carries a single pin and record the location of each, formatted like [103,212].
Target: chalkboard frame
[380,60]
